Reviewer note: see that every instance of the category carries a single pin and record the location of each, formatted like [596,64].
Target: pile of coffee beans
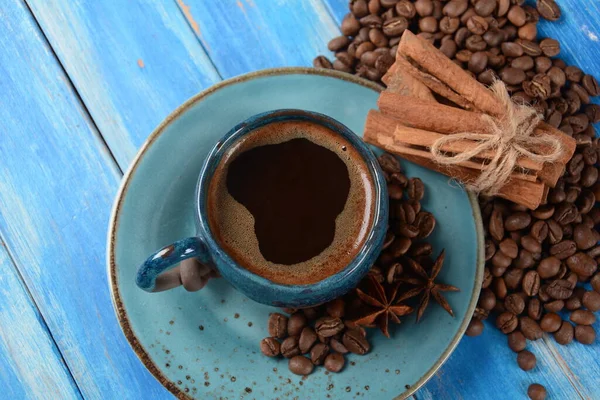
[538,262]
[322,335]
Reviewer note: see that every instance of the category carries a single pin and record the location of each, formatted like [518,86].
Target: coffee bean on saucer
[526,360]
[289,347]
[318,353]
[308,337]
[337,345]
[277,325]
[296,323]
[334,362]
[328,326]
[355,342]
[535,390]
[270,347]
[300,365]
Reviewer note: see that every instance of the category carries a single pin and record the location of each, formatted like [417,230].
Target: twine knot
[509,137]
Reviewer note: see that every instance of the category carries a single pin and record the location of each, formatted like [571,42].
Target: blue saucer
[204,345]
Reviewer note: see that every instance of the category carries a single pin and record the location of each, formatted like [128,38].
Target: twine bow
[510,136]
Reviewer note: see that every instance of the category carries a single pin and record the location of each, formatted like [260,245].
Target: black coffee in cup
[292,201]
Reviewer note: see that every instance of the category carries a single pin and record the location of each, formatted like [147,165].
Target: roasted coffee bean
[583,317]
[295,324]
[277,325]
[554,306]
[289,347]
[564,335]
[539,231]
[589,176]
[513,278]
[526,360]
[542,64]
[415,189]
[528,31]
[555,233]
[585,334]
[270,347]
[529,47]
[509,248]
[573,101]
[591,301]
[338,43]
[530,328]
[406,9]
[428,24]
[516,15]
[355,342]
[531,283]
[534,309]
[340,66]
[475,43]
[572,278]
[593,113]
[538,87]
[551,322]
[334,362]
[525,260]
[517,221]
[475,327]
[530,244]
[300,365]
[591,85]
[514,303]
[318,353]
[337,345]
[477,25]
[350,25]
[329,326]
[559,289]
[516,341]
[478,62]
[548,267]
[336,308]
[581,92]
[550,47]
[548,9]
[449,48]
[524,63]
[595,282]
[397,25]
[585,202]
[424,7]
[512,76]
[499,288]
[564,249]
[573,73]
[322,62]
[535,391]
[507,322]
[584,237]
[308,337]
[493,37]
[500,260]
[485,8]
[582,264]
[311,313]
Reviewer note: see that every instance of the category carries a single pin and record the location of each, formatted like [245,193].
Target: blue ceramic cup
[205,248]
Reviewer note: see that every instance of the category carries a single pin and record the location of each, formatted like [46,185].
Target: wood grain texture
[31,366]
[57,183]
[247,35]
[132,63]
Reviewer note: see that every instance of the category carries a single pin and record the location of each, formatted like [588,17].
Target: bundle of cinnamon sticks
[428,96]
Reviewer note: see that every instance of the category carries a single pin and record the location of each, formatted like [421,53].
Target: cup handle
[167,258]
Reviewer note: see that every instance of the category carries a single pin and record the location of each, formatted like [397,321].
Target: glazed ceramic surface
[205,345]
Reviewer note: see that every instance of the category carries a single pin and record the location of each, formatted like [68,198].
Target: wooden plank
[132,63]
[31,364]
[57,183]
[246,35]
[484,367]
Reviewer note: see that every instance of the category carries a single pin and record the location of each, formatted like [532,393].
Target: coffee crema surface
[291,201]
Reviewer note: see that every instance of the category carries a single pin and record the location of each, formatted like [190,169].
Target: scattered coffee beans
[526,360]
[300,365]
[536,392]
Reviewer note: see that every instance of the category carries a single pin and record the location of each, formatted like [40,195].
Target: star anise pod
[425,283]
[384,305]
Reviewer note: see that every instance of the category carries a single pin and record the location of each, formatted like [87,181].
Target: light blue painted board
[57,182]
[31,366]
[484,367]
[132,63]
[247,35]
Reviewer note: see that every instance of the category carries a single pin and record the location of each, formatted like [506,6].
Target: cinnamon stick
[441,118]
[444,77]
[529,194]
[384,124]
[401,82]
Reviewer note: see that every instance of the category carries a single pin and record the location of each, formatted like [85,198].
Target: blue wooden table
[82,84]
